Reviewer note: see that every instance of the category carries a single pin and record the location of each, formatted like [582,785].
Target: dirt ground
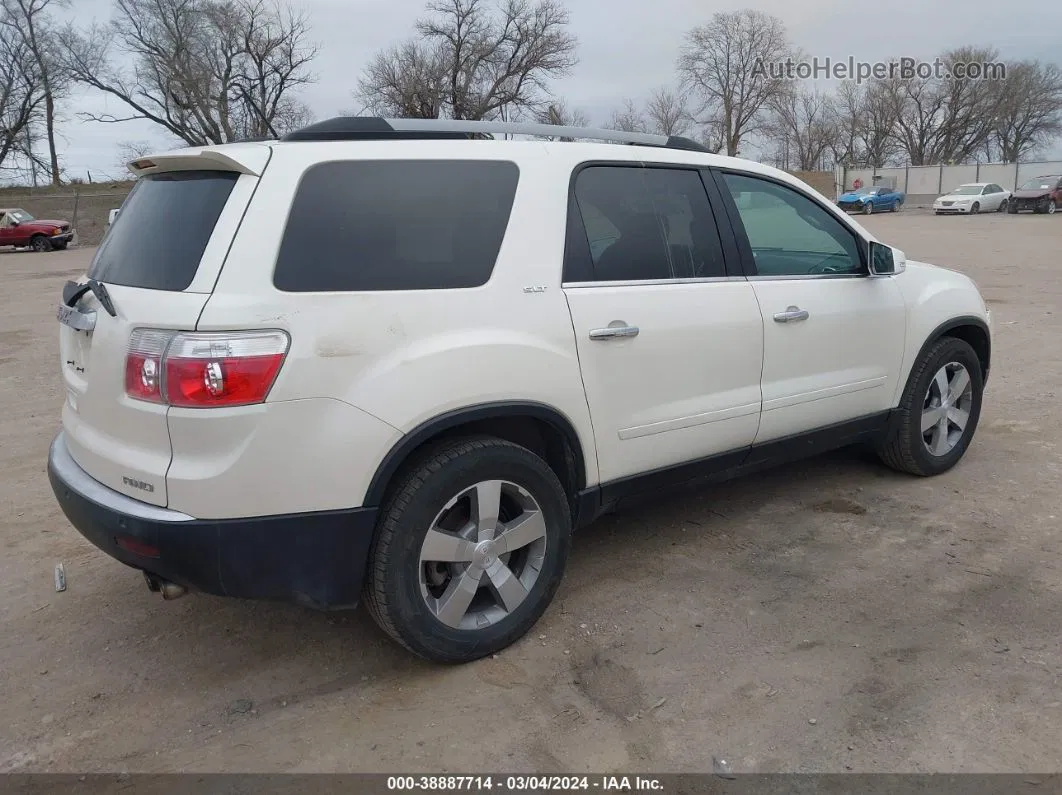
[827,616]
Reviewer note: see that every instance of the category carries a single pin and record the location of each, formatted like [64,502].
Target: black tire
[975,208]
[40,243]
[1052,207]
[903,448]
[1003,207]
[392,586]
[868,208]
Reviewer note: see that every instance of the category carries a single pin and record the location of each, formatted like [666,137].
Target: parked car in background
[1041,195]
[447,456]
[869,200]
[973,198]
[20,229]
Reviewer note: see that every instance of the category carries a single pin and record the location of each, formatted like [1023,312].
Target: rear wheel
[40,243]
[895,206]
[938,412]
[469,551]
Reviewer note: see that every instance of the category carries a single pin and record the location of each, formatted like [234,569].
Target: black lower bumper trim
[313,559]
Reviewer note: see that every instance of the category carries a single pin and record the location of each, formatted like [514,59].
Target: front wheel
[1002,208]
[469,550]
[938,413]
[868,208]
[41,243]
[1052,206]
[975,209]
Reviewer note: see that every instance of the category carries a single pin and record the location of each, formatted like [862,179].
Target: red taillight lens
[203,370]
[230,369]
[143,364]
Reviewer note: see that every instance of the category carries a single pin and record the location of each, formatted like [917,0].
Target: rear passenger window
[396,225]
[645,224]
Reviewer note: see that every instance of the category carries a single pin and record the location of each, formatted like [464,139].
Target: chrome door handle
[792,314]
[613,332]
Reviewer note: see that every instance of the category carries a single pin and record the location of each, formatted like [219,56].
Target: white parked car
[391,359]
[976,197]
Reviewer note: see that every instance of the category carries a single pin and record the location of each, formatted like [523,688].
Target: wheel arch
[968,328]
[541,428]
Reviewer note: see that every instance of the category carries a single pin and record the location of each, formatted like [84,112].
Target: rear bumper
[313,559]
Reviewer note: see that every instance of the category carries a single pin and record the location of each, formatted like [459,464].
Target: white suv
[402,359]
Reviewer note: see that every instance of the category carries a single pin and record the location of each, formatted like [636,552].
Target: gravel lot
[827,616]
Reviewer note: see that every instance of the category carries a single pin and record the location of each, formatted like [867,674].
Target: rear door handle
[792,314]
[614,331]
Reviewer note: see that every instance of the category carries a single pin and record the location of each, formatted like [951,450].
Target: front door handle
[614,330]
[792,314]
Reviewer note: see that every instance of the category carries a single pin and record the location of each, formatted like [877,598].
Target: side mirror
[14,223]
[886,260]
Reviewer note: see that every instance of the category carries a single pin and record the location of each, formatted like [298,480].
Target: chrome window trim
[653,282]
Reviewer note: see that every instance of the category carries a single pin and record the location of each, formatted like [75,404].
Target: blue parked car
[870,200]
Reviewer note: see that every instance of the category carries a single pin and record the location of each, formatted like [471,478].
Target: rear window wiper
[72,293]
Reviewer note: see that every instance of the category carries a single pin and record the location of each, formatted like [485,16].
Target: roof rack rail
[370,128]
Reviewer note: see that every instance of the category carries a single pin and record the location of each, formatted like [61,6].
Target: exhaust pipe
[169,590]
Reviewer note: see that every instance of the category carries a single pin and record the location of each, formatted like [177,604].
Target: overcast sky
[626,49]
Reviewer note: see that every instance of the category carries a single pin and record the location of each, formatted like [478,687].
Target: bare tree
[668,113]
[628,118]
[804,125]
[473,61]
[208,71]
[405,81]
[945,119]
[726,65]
[1030,112]
[865,117]
[21,97]
[33,22]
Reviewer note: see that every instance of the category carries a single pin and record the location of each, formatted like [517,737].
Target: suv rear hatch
[155,270]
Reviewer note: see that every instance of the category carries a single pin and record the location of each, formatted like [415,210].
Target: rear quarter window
[396,225]
[160,235]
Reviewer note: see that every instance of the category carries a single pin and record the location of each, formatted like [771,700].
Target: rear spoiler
[242,158]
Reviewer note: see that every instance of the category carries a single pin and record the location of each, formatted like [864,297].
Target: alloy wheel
[482,554]
[946,408]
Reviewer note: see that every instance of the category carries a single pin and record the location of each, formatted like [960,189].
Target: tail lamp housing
[203,369]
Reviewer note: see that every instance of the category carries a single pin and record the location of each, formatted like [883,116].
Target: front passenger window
[791,235]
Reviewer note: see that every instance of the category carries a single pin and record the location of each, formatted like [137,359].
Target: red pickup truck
[20,229]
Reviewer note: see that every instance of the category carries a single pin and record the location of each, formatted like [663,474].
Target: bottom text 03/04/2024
[522,783]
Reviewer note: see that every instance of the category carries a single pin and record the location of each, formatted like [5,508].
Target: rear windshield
[396,225]
[158,238]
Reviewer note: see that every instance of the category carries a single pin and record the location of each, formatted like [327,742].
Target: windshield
[868,191]
[20,215]
[967,190]
[1040,183]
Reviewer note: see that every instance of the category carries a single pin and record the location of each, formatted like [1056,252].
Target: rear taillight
[203,370]
[143,364]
